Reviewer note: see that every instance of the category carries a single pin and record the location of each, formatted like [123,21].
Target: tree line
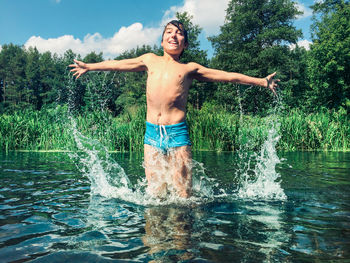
[255,39]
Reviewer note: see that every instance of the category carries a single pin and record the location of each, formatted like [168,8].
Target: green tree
[255,40]
[71,91]
[50,79]
[329,58]
[12,77]
[199,91]
[92,57]
[99,86]
[33,79]
[130,87]
[295,87]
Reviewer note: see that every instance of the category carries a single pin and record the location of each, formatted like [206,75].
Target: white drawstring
[161,133]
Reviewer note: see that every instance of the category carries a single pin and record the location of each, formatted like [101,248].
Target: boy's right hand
[79,68]
[272,83]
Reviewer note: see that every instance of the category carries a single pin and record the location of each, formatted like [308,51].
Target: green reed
[324,130]
[211,128]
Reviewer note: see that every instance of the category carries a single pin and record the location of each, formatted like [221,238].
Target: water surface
[50,214]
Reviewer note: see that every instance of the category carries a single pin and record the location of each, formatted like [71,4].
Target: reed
[211,128]
[324,130]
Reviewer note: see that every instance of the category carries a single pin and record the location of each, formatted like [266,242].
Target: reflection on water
[48,214]
[265,221]
[168,233]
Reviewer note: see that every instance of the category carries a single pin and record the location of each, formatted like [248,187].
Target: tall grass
[211,128]
[324,130]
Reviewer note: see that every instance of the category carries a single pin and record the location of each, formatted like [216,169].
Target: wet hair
[180,26]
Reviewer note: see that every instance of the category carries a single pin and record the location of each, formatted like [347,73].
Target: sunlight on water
[48,214]
[273,231]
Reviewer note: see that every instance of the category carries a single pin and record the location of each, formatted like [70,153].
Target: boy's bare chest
[168,75]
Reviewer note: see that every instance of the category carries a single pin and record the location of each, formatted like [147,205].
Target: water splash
[108,179]
[266,181]
[257,172]
[91,157]
[261,180]
[94,161]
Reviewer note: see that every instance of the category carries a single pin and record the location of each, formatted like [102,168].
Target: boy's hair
[180,26]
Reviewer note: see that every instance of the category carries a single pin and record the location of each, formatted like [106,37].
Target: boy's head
[180,26]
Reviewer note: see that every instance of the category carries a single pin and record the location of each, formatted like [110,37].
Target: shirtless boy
[167,88]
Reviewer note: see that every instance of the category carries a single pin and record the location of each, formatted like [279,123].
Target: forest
[38,95]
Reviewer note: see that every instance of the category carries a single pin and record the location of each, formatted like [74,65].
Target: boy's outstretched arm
[207,74]
[130,65]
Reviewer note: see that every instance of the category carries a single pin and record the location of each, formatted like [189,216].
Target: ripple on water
[45,218]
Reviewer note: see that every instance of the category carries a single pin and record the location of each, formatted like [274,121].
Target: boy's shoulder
[193,65]
[149,57]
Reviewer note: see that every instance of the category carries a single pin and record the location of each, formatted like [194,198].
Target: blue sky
[110,26]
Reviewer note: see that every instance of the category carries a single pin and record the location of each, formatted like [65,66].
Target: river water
[55,210]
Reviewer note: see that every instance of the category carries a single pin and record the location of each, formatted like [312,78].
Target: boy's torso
[168,83]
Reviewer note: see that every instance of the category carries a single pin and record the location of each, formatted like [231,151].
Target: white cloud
[302,43]
[305,43]
[0,48]
[207,15]
[306,10]
[125,39]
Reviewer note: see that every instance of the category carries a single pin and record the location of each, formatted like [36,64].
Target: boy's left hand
[272,83]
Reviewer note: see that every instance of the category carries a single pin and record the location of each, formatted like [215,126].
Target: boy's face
[173,40]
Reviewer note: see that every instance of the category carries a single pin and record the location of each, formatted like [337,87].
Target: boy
[166,139]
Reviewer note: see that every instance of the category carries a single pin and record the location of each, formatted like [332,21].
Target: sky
[112,26]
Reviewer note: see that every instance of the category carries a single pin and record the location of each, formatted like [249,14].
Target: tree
[94,96]
[130,87]
[295,88]
[329,58]
[92,57]
[71,91]
[12,76]
[199,91]
[255,40]
[33,78]
[50,79]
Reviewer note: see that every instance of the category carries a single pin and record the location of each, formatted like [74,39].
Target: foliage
[255,41]
[324,130]
[329,57]
[37,91]
[211,128]
[199,91]
[12,77]
[131,86]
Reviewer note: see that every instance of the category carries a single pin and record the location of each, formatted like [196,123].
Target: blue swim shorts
[165,137]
